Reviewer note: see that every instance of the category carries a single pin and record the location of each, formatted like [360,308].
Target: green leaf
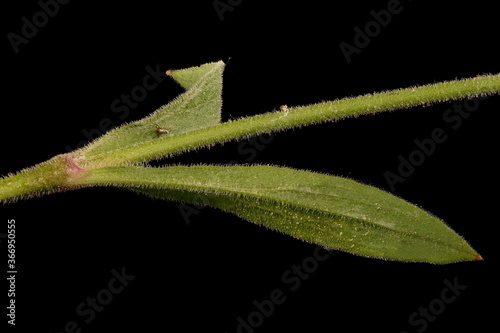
[197,108]
[335,212]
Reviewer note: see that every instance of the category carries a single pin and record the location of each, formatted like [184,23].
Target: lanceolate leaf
[198,107]
[335,212]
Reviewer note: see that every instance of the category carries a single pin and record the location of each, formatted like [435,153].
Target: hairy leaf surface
[197,108]
[332,211]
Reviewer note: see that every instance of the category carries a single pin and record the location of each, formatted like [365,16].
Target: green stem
[22,184]
[298,116]
[65,172]
[58,174]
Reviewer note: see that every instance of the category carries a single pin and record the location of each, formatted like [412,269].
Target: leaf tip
[188,77]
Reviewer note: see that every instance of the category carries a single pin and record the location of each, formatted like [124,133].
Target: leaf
[335,212]
[198,107]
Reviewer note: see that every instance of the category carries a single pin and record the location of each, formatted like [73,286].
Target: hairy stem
[65,172]
[298,116]
[58,174]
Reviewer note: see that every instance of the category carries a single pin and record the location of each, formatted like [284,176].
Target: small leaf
[198,107]
[335,212]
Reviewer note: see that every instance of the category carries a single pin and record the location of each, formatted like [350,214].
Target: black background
[200,276]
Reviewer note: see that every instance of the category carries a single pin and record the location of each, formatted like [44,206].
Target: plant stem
[58,174]
[298,116]
[65,172]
